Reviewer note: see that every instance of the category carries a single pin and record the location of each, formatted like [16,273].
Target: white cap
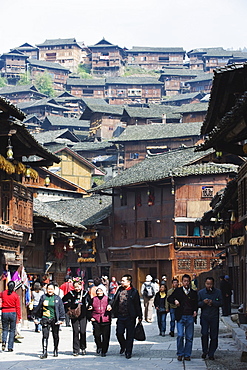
[149,278]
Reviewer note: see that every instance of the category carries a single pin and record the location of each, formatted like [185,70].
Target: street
[156,352]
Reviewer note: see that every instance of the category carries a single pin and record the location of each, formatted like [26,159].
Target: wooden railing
[194,241]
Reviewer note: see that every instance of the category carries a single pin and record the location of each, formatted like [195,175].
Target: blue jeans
[209,328]
[185,328]
[172,318]
[37,326]
[161,319]
[8,325]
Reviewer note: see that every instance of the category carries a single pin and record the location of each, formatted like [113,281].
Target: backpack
[148,291]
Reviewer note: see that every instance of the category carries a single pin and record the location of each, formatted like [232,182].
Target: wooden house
[106,59]
[193,112]
[32,52]
[70,101]
[88,88]
[43,108]
[21,93]
[74,168]
[153,113]
[13,65]
[155,57]
[59,123]
[174,78]
[56,71]
[155,206]
[180,99]
[66,52]
[142,140]
[201,83]
[18,158]
[80,230]
[104,120]
[226,129]
[132,90]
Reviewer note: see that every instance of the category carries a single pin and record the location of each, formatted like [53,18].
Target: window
[87,92]
[184,264]
[181,229]
[207,191]
[134,155]
[148,229]
[200,264]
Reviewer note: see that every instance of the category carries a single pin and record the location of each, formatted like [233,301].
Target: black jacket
[70,299]
[59,308]
[133,303]
[179,295]
[216,297]
[157,300]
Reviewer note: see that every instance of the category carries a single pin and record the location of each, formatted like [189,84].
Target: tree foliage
[24,79]
[3,82]
[43,83]
[84,71]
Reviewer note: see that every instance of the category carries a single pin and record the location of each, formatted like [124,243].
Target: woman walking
[11,314]
[51,311]
[77,302]
[160,306]
[36,295]
[101,322]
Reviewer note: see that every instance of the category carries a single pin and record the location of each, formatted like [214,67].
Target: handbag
[139,332]
[74,313]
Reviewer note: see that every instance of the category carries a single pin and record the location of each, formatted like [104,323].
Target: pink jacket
[99,312]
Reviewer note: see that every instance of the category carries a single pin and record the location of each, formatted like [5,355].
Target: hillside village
[130,159]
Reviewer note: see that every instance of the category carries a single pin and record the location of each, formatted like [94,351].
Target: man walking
[172,307]
[148,293]
[209,300]
[185,300]
[126,307]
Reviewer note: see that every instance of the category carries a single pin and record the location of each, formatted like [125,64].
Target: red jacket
[67,287]
[11,303]
[99,312]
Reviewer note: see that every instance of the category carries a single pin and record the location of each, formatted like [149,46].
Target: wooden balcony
[194,242]
[16,206]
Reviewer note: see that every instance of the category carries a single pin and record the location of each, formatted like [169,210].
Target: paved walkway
[156,352]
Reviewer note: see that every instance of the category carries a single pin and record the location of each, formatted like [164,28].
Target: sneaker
[83,352]
[17,340]
[187,358]
[75,354]
[171,333]
[180,358]
[3,346]
[163,334]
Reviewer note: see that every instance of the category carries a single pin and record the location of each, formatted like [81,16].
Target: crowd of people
[75,305]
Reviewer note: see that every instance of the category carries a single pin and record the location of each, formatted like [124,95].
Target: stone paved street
[156,352]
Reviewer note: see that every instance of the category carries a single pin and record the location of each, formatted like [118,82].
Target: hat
[227,277]
[149,278]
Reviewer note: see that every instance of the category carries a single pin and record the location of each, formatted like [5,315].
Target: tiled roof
[133,81]
[193,107]
[85,82]
[48,65]
[59,42]
[94,101]
[41,102]
[12,109]
[204,50]
[104,109]
[178,97]
[155,168]
[91,146]
[154,111]
[52,135]
[218,53]
[200,78]
[83,211]
[183,72]
[66,121]
[147,49]
[159,131]
[19,88]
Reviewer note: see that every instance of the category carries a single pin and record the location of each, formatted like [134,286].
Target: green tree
[3,82]
[43,83]
[84,71]
[24,79]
